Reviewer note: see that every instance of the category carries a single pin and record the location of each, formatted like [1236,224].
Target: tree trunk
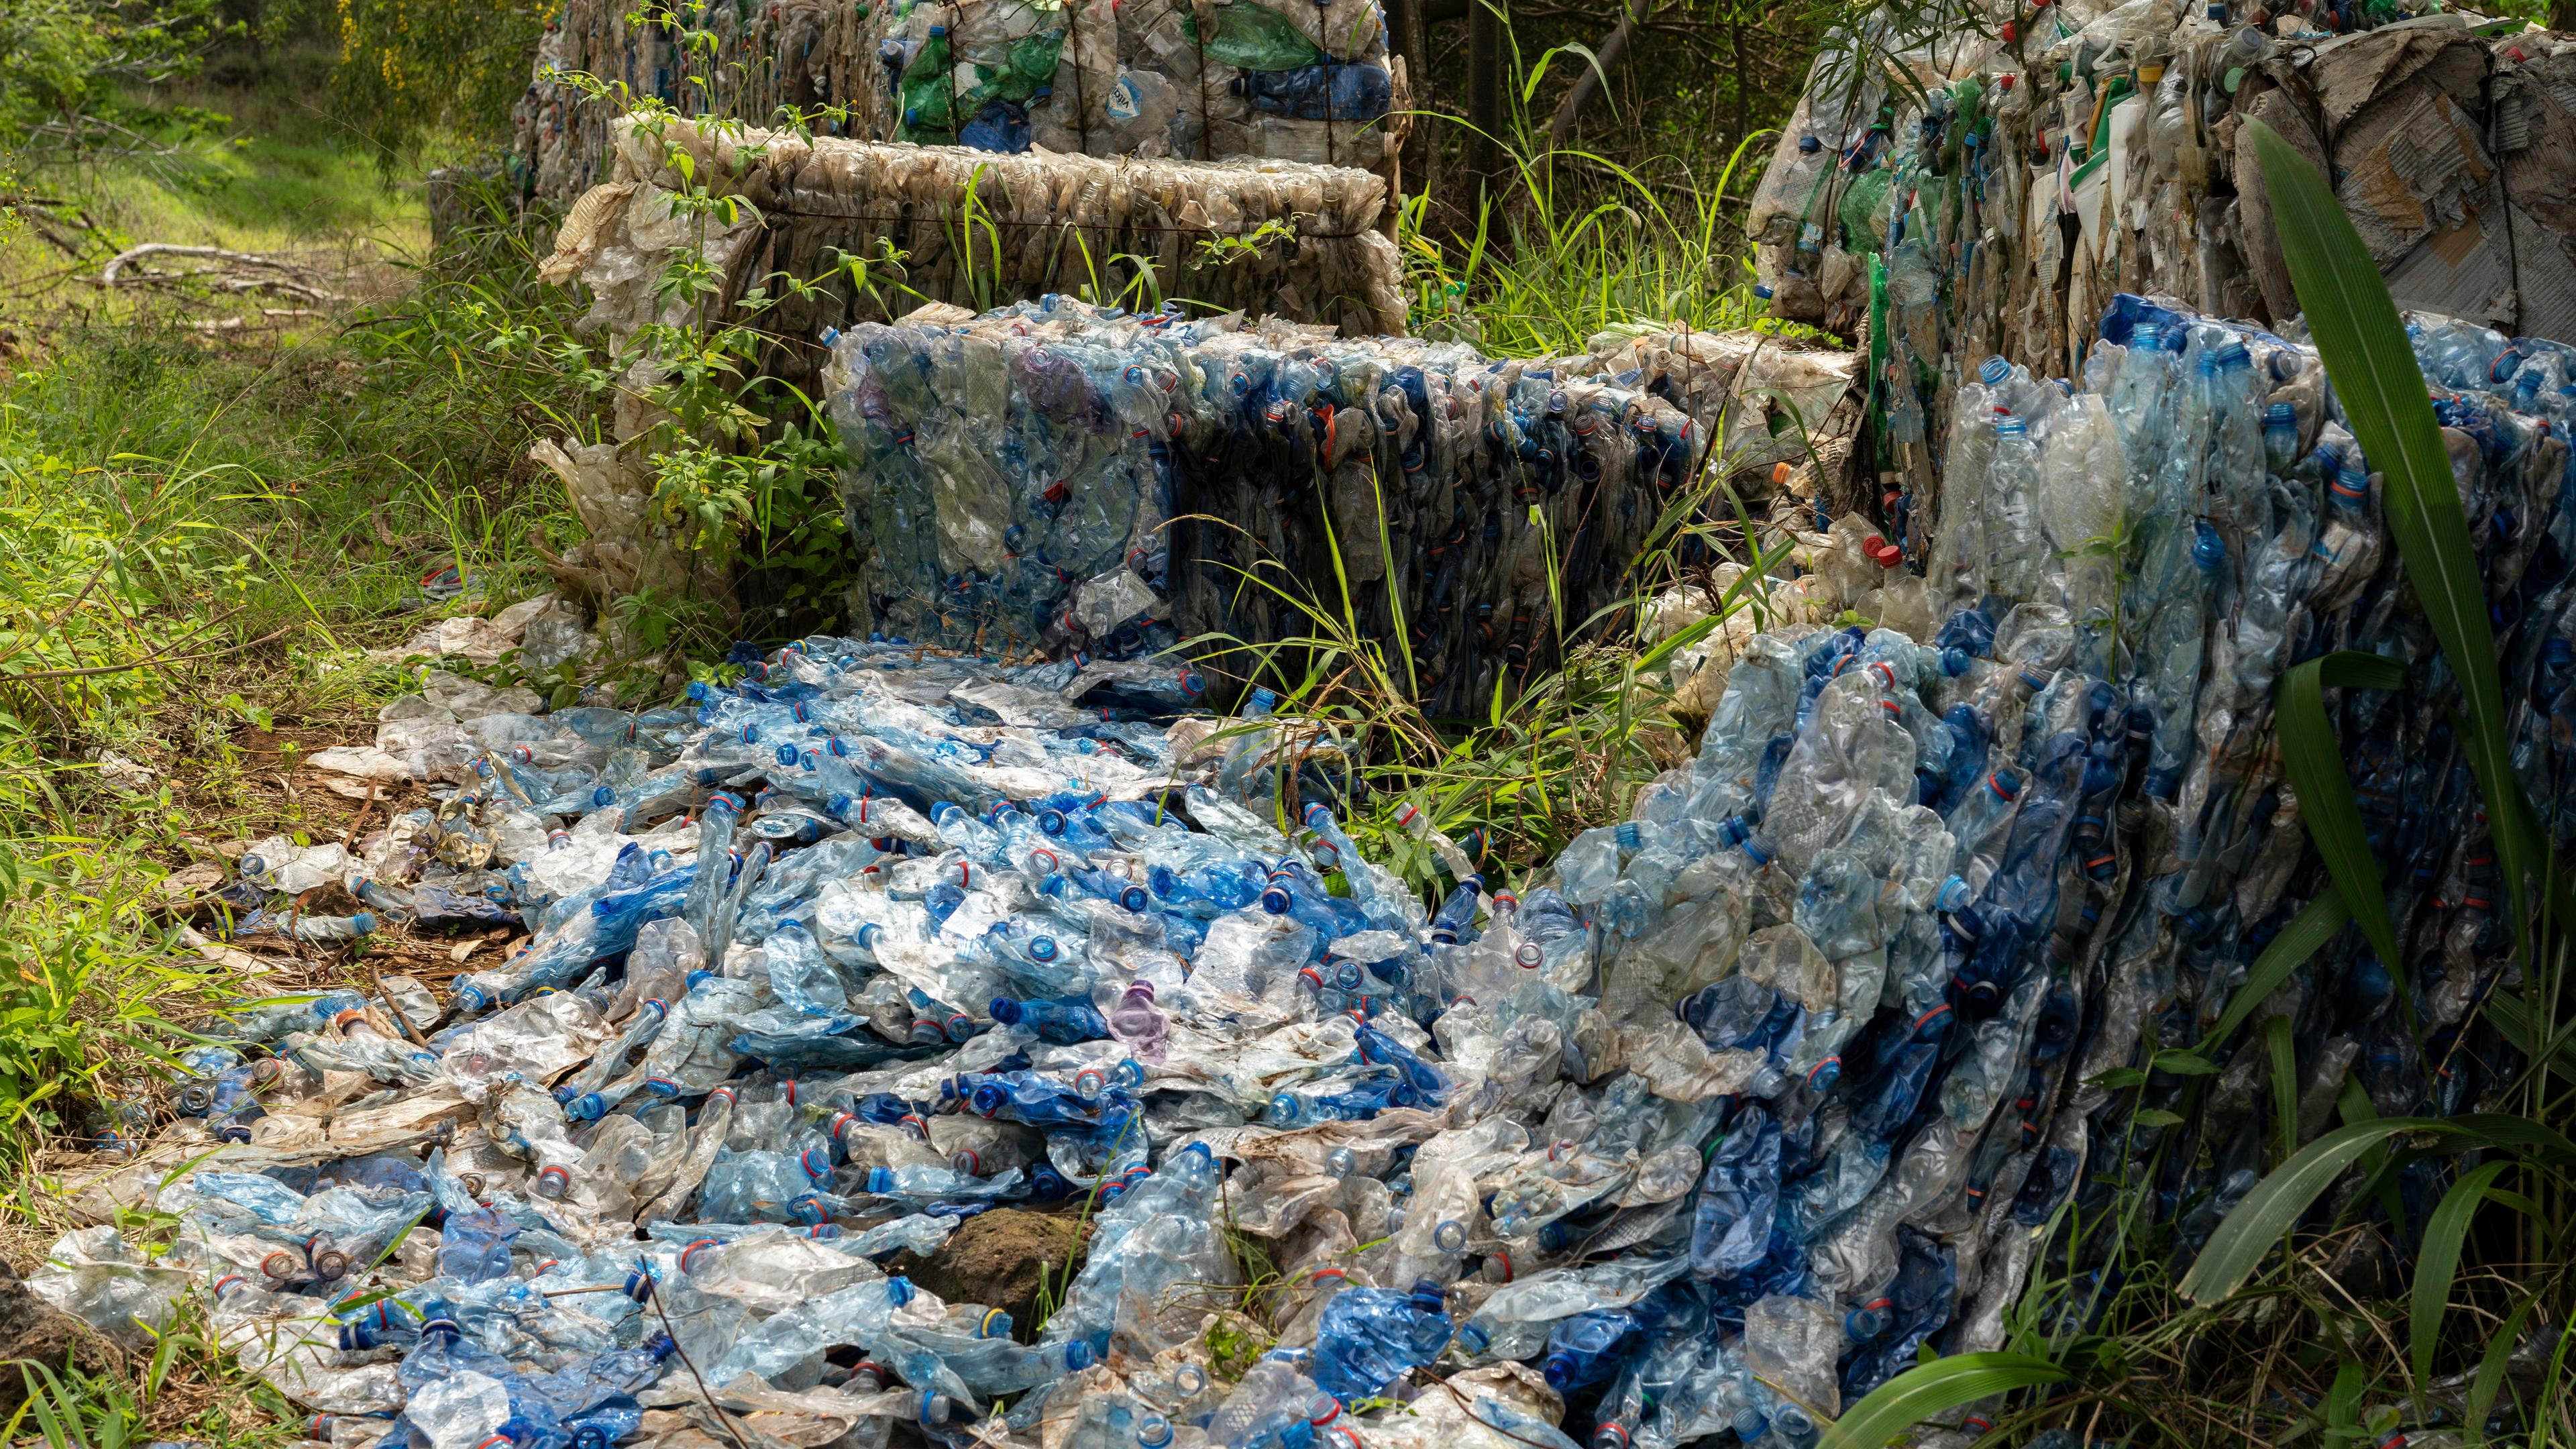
[1485,100]
[1409,33]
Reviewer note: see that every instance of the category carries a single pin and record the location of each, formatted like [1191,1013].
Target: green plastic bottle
[925,91]
[1254,37]
[1026,69]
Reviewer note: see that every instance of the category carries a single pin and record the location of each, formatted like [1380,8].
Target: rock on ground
[36,1331]
[993,1258]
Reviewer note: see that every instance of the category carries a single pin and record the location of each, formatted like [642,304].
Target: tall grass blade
[1943,1384]
[2307,933]
[2513,1019]
[2313,760]
[2284,1049]
[2275,1205]
[2268,1212]
[2490,1379]
[2372,366]
[2437,1262]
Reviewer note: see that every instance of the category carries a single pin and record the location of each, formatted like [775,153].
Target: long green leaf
[2353,1105]
[2249,1233]
[2284,1049]
[2307,933]
[2482,1391]
[2313,760]
[1928,1389]
[2437,1263]
[2368,359]
[2512,1018]
[2267,1214]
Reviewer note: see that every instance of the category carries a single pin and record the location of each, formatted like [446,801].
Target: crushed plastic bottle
[1715,1123]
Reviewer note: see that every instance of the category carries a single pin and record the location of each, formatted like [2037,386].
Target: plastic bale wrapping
[1057,477]
[1295,82]
[1959,197]
[1708,1131]
[1294,241]
[971,227]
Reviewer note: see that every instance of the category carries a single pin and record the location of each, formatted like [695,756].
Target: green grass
[196,538]
[276,171]
[247,159]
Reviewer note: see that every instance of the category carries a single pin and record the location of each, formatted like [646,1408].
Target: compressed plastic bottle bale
[1294,82]
[1214,417]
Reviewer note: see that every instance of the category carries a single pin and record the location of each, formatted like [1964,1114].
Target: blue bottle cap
[1994,370]
[2208,550]
[1560,1370]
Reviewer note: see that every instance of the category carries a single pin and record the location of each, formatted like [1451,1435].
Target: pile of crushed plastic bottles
[1058,475]
[1712,1127]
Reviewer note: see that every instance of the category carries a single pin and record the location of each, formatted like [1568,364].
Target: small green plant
[1232,1348]
[1551,754]
[85,984]
[1261,241]
[182,1384]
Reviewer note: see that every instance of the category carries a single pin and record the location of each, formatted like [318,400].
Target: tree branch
[1612,50]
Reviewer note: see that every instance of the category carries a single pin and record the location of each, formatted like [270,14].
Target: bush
[409,68]
[65,64]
